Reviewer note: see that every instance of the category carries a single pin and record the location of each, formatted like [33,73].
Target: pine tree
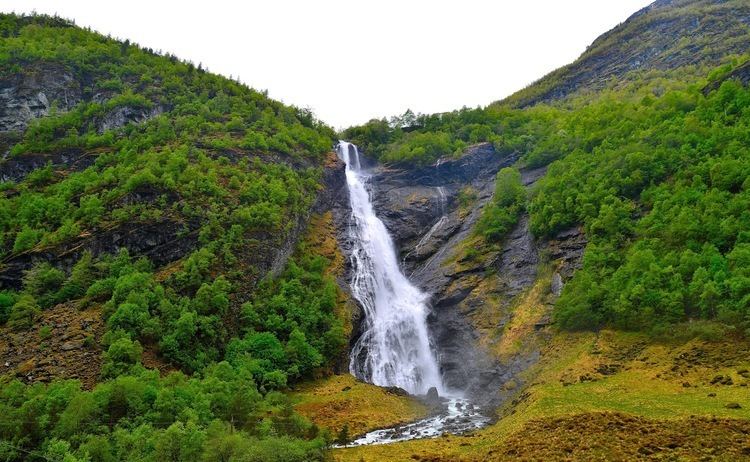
[343,436]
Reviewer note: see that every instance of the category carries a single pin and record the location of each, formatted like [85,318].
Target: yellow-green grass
[337,400]
[649,383]
[586,378]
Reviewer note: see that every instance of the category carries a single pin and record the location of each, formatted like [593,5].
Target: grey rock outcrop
[38,91]
[412,201]
[123,115]
[652,39]
[34,92]
[430,224]
[421,209]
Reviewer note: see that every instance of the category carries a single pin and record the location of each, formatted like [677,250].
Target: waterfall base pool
[458,416]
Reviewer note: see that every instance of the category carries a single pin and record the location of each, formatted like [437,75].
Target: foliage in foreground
[221,412]
[215,415]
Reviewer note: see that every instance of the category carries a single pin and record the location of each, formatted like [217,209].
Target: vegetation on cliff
[233,173]
[655,172]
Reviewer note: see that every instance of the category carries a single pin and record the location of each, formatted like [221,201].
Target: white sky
[352,60]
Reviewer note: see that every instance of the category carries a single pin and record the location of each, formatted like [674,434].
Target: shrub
[508,202]
[43,281]
[24,312]
[7,300]
[120,358]
[26,239]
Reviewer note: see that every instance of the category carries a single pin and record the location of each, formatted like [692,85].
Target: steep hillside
[608,274]
[664,36]
[153,249]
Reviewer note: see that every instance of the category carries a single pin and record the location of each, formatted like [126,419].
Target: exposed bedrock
[411,202]
[423,212]
[430,212]
[47,88]
[169,239]
[33,93]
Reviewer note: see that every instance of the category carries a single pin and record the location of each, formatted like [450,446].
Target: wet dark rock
[124,115]
[411,201]
[517,265]
[567,246]
[32,93]
[396,391]
[432,396]
[740,74]
[162,241]
[415,202]
[420,209]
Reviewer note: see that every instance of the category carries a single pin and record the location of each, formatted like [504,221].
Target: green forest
[230,168]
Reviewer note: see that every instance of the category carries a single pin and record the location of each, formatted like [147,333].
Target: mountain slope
[666,35]
[153,250]
[628,206]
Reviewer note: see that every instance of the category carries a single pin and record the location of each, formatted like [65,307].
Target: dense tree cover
[434,136]
[654,170]
[217,415]
[231,405]
[290,327]
[178,154]
[230,169]
[666,207]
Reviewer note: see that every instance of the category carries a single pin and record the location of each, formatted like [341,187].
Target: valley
[191,270]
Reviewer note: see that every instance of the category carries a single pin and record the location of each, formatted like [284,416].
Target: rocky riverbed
[454,416]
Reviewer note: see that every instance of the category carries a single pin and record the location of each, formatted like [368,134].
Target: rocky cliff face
[423,202]
[430,212]
[423,210]
[37,91]
[164,241]
[33,93]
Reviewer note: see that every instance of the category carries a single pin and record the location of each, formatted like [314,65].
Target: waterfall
[394,348]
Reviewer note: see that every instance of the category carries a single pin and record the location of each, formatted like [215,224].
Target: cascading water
[394,348]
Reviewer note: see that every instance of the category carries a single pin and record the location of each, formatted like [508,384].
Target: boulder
[432,397]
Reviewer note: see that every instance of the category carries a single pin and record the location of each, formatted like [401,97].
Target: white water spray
[394,348]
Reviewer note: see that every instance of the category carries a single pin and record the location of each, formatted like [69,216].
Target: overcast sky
[352,60]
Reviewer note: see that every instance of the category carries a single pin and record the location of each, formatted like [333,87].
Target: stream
[459,416]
